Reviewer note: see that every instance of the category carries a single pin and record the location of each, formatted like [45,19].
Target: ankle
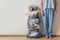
[50,37]
[46,37]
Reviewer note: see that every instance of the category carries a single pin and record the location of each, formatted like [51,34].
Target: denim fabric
[48,21]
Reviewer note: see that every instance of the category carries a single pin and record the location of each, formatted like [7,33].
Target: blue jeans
[48,21]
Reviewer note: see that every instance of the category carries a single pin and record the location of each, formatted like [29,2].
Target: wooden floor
[25,38]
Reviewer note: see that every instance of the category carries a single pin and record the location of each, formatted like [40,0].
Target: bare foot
[50,37]
[46,37]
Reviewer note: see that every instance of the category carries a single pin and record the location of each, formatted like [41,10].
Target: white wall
[56,26]
[13,19]
[12,16]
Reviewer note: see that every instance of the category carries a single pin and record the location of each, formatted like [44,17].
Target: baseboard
[12,35]
[54,35]
[24,35]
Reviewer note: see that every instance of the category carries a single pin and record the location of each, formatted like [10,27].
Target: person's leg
[51,12]
[45,22]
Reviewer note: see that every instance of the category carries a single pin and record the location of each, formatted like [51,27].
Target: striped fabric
[48,4]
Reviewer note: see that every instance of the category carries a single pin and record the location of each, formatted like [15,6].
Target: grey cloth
[35,19]
[33,8]
[33,23]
